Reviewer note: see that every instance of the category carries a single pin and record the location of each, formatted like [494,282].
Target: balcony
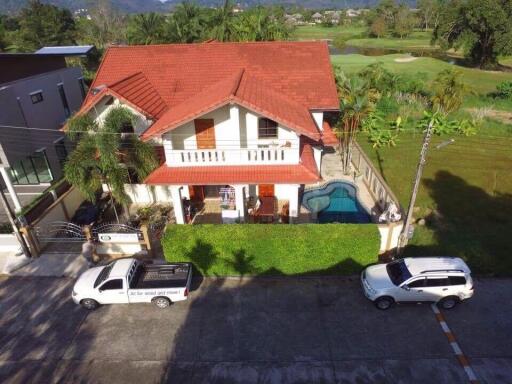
[209,157]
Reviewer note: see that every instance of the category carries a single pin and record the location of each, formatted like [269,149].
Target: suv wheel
[384,302]
[89,304]
[161,302]
[449,302]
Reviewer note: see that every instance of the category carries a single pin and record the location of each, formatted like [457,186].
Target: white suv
[443,280]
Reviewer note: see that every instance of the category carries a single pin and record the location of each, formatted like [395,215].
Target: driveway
[264,330]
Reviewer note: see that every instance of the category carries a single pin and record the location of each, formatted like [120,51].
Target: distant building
[317,18]
[38,93]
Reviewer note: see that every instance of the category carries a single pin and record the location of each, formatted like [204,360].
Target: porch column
[294,202]
[177,204]
[240,201]
[10,188]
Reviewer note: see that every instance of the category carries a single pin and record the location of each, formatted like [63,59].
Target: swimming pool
[335,202]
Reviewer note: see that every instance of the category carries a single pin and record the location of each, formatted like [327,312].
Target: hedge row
[259,249]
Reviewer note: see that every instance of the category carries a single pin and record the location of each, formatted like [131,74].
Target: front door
[266,190]
[205,133]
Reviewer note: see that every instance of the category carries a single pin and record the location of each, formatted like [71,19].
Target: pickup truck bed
[161,276]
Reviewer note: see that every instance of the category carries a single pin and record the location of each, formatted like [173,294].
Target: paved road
[253,331]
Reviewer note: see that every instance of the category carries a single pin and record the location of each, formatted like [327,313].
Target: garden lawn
[465,195]
[481,81]
[263,249]
[416,41]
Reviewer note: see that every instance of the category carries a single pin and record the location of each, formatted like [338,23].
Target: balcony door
[205,133]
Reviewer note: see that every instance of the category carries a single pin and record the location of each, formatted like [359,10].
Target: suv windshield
[398,272]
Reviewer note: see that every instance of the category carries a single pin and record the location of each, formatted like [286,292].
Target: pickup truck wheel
[384,302]
[161,302]
[449,302]
[89,304]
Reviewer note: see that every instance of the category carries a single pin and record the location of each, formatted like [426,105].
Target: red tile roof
[284,80]
[328,135]
[247,91]
[304,173]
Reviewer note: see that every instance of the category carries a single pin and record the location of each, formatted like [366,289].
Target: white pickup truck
[132,281]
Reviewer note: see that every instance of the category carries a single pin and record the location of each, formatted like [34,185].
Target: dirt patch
[496,114]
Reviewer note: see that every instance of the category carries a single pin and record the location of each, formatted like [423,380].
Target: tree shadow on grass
[469,223]
[242,263]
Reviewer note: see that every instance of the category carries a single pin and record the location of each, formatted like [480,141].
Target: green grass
[480,81]
[258,249]
[318,32]
[506,61]
[465,195]
[416,41]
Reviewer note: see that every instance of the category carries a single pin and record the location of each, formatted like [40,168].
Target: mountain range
[140,6]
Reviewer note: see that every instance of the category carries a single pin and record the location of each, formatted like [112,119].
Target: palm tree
[186,24]
[222,22]
[355,106]
[449,91]
[146,28]
[104,155]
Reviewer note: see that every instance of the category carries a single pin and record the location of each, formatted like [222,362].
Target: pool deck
[331,170]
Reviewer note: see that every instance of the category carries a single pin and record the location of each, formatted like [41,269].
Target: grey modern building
[38,93]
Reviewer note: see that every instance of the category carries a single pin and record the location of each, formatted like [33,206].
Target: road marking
[463,360]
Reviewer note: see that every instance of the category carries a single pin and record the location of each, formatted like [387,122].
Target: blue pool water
[336,202]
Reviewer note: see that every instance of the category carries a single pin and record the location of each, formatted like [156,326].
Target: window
[36,97]
[437,282]
[32,169]
[64,100]
[417,283]
[398,272]
[112,284]
[267,128]
[83,90]
[457,280]
[103,274]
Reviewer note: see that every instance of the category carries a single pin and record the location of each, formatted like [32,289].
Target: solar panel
[73,50]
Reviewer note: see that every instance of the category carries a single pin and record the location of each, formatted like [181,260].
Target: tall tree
[429,12]
[378,27]
[106,155]
[404,22]
[106,26]
[44,24]
[222,23]
[187,24]
[146,28]
[482,28]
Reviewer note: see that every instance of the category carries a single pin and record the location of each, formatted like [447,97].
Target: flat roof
[72,50]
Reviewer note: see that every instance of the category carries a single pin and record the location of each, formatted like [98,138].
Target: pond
[434,53]
[335,202]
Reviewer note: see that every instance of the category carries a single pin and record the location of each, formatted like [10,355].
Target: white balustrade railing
[187,157]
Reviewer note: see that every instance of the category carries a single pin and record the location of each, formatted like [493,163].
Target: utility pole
[12,218]
[404,236]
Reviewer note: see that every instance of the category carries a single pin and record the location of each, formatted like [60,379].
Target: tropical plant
[105,155]
[186,24]
[261,24]
[222,23]
[146,28]
[380,132]
[355,106]
[442,125]
[448,91]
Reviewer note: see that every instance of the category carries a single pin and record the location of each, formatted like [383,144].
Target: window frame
[36,93]
[267,128]
[83,90]
[64,99]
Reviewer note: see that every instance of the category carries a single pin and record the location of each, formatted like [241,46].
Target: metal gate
[60,237]
[115,228]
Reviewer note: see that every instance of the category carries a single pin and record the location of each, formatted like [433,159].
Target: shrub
[504,90]
[5,228]
[259,249]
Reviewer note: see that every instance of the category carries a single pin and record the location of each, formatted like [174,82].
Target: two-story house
[234,120]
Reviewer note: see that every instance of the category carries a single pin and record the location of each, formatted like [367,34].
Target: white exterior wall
[285,191]
[236,130]
[319,119]
[101,110]
[147,194]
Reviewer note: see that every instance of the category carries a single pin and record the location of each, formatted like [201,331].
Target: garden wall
[262,249]
[8,243]
[145,194]
[62,209]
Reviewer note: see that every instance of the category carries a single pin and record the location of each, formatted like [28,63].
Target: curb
[463,360]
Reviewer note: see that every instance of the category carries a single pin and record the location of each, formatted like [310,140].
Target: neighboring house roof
[297,76]
[328,136]
[305,172]
[73,50]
